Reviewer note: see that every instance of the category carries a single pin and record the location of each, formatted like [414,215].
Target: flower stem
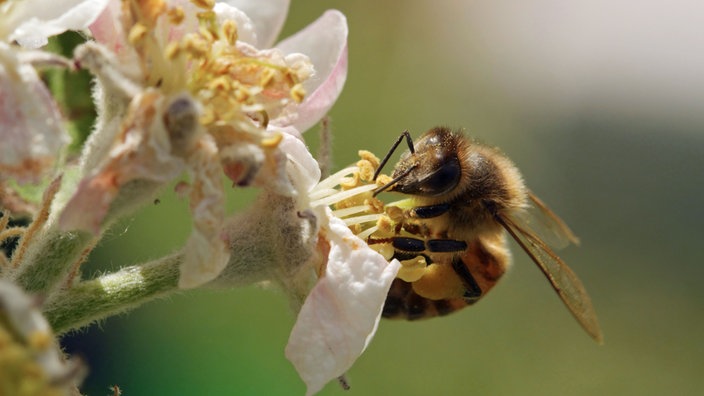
[95,299]
[47,262]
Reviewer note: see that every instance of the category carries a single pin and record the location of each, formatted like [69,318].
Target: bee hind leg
[472,290]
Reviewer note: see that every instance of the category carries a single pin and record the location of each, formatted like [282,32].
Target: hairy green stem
[107,295]
[47,262]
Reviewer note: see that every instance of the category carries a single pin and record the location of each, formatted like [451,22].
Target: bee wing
[544,223]
[561,277]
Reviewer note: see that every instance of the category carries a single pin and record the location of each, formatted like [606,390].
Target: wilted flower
[197,95]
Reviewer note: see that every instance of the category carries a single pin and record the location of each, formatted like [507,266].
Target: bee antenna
[391,151]
[392,182]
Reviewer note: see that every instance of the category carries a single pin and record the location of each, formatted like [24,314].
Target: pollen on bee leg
[413,269]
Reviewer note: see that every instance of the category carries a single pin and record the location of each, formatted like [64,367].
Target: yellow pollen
[205,4]
[150,10]
[242,94]
[39,340]
[196,46]
[395,213]
[369,156]
[207,34]
[413,269]
[298,93]
[375,205]
[350,182]
[385,225]
[175,15]
[137,33]
[221,83]
[366,170]
[229,30]
[206,16]
[383,180]
[273,141]
[267,77]
[208,116]
[173,49]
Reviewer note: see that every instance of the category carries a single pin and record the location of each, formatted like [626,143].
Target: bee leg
[473,292]
[430,211]
[408,244]
[446,245]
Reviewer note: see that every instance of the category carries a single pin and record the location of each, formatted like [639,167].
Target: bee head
[433,169]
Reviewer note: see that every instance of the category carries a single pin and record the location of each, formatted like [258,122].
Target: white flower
[339,317]
[30,123]
[172,63]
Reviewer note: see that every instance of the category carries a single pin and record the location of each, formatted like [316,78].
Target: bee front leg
[408,244]
[430,211]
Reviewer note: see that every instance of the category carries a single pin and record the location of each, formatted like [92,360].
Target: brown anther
[204,4]
[175,15]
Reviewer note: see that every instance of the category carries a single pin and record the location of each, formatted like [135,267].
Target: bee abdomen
[478,269]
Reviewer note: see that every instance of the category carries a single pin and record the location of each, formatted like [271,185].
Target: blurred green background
[600,104]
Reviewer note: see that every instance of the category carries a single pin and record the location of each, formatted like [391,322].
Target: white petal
[325,42]
[34,21]
[23,318]
[31,128]
[340,316]
[303,169]
[268,17]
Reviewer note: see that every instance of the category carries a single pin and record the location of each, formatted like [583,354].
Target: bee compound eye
[444,178]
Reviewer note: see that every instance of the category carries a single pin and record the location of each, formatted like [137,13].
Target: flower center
[232,80]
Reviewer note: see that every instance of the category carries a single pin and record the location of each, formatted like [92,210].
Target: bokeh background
[600,104]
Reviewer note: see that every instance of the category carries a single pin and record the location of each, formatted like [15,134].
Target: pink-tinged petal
[340,316]
[325,42]
[268,17]
[31,128]
[107,28]
[303,169]
[35,21]
[142,151]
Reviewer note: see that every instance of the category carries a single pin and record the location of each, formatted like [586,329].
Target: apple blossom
[30,123]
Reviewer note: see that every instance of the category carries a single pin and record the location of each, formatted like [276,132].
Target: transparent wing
[545,224]
[561,277]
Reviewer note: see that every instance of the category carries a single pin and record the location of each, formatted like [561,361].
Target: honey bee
[463,199]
